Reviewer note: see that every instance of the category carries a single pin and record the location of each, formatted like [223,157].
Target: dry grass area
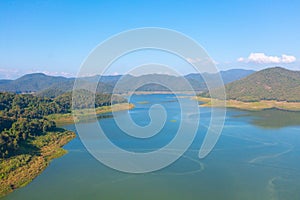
[62,119]
[20,170]
[259,105]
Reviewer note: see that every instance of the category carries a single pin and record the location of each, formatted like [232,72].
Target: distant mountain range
[49,86]
[244,85]
[52,86]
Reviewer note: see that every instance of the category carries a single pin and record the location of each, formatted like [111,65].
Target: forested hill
[31,83]
[269,84]
[52,86]
[22,116]
[29,139]
[49,86]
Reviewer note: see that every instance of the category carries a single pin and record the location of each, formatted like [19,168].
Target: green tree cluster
[22,116]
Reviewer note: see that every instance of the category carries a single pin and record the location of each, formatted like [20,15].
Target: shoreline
[250,106]
[20,170]
[159,92]
[65,119]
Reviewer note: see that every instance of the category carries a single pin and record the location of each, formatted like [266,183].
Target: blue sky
[56,36]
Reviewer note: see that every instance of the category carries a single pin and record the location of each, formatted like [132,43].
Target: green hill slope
[52,86]
[31,83]
[48,86]
[269,84]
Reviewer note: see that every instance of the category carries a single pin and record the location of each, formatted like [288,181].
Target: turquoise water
[256,157]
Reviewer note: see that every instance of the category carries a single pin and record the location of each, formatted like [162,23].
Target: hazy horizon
[135,75]
[56,37]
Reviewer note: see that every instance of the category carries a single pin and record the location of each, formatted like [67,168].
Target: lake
[256,157]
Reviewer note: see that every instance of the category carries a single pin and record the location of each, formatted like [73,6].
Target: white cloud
[241,59]
[262,58]
[193,60]
[204,60]
[6,73]
[288,59]
[52,73]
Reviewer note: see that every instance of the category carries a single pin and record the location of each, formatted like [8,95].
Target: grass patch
[85,114]
[143,102]
[258,105]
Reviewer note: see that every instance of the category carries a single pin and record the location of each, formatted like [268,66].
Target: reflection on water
[104,116]
[273,118]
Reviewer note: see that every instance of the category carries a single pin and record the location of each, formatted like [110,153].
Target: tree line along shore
[29,134]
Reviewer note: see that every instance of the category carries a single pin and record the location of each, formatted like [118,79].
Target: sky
[55,37]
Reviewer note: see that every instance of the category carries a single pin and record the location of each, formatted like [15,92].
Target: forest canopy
[23,116]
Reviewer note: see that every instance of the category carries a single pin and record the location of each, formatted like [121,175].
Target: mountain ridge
[276,83]
[51,86]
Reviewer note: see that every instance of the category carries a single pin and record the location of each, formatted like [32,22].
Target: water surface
[256,157]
